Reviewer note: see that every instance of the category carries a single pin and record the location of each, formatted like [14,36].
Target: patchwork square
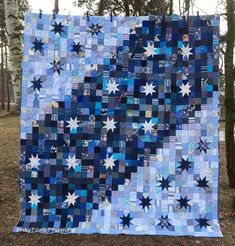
[119,125]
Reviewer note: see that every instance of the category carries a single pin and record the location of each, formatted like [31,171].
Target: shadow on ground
[9,206]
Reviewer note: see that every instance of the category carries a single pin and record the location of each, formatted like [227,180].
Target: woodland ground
[9,206]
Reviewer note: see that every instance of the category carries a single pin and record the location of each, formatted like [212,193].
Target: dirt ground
[9,206]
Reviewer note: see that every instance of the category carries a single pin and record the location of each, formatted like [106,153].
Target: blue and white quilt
[119,125]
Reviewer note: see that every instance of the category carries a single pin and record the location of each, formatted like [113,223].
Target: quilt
[119,125]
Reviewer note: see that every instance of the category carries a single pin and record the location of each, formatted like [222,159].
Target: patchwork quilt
[119,125]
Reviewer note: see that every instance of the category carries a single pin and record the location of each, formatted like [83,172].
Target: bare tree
[229,93]
[128,7]
[8,79]
[101,7]
[2,73]
[13,30]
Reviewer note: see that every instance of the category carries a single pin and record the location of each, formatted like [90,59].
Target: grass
[9,206]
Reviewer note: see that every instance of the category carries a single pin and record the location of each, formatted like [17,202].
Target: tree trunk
[101,7]
[56,8]
[139,4]
[229,96]
[127,8]
[8,81]
[15,46]
[2,75]
[180,7]
[187,7]
[171,7]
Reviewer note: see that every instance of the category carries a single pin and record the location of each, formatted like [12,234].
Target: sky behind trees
[66,6]
[209,6]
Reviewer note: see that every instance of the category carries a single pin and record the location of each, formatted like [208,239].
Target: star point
[186,51]
[34,199]
[110,124]
[148,126]
[34,162]
[109,163]
[126,220]
[149,89]
[38,45]
[72,123]
[202,183]
[76,47]
[164,222]
[165,183]
[203,146]
[145,202]
[150,49]
[185,164]
[95,29]
[112,86]
[71,199]
[203,222]
[72,162]
[58,28]
[37,84]
[185,89]
[56,66]
[183,202]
